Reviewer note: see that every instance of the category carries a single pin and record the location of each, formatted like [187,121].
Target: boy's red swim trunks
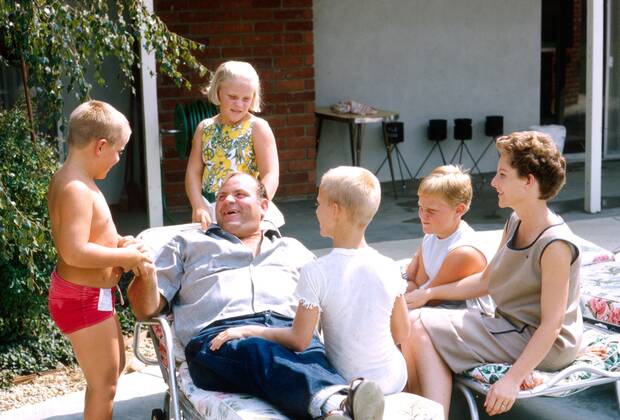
[73,306]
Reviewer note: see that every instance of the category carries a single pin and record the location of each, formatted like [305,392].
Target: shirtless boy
[81,299]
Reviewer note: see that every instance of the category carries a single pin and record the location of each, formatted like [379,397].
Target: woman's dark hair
[534,153]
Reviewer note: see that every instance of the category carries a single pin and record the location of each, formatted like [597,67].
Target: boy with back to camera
[356,291]
[91,254]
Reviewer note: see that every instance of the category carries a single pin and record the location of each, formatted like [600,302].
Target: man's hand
[230,334]
[201,215]
[144,269]
[144,296]
[139,260]
[139,254]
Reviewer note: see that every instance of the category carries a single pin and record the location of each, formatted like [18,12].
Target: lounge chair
[184,400]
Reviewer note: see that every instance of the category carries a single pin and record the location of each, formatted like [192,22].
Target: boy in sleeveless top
[449,250]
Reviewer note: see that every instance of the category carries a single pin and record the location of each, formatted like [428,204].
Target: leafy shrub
[28,254]
[26,339]
[29,354]
[29,341]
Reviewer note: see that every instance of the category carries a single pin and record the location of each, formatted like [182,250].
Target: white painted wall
[426,59]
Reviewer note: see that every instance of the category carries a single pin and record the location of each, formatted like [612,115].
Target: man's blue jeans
[261,367]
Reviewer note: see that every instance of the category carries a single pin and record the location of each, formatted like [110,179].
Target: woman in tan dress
[533,279]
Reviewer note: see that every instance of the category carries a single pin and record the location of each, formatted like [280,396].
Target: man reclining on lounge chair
[233,275]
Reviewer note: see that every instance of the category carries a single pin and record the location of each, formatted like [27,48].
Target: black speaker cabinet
[395,131]
[494,125]
[462,128]
[437,130]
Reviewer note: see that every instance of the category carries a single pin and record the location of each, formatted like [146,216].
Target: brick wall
[276,36]
[573,57]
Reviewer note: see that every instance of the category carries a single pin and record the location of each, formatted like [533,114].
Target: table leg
[319,125]
[358,151]
[353,138]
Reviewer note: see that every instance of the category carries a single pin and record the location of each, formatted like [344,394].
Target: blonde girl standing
[233,140]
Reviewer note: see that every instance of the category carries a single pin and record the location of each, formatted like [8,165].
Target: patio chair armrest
[137,341]
[162,322]
[581,367]
[551,386]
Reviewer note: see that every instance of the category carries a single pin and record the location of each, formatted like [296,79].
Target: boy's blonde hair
[450,183]
[234,70]
[357,190]
[94,120]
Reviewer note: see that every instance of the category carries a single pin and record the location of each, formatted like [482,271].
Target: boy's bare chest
[102,229]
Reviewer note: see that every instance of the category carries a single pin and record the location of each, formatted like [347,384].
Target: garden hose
[186,119]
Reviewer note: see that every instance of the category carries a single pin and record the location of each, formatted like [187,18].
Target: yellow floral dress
[226,148]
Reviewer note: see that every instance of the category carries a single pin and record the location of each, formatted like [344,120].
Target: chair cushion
[595,341]
[223,405]
[600,292]
[228,406]
[592,253]
[232,406]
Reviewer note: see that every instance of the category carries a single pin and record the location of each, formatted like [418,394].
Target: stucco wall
[426,59]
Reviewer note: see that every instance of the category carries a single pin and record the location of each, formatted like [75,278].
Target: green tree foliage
[61,41]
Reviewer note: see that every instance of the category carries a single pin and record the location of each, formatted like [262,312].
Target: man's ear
[460,209]
[99,146]
[264,204]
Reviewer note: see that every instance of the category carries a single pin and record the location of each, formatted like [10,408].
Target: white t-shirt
[355,290]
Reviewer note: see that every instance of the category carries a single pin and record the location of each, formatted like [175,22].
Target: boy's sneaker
[337,415]
[364,402]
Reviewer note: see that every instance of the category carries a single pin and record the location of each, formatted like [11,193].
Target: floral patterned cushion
[225,406]
[600,292]
[602,350]
[592,253]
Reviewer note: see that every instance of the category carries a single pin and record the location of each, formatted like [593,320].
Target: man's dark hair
[261,191]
